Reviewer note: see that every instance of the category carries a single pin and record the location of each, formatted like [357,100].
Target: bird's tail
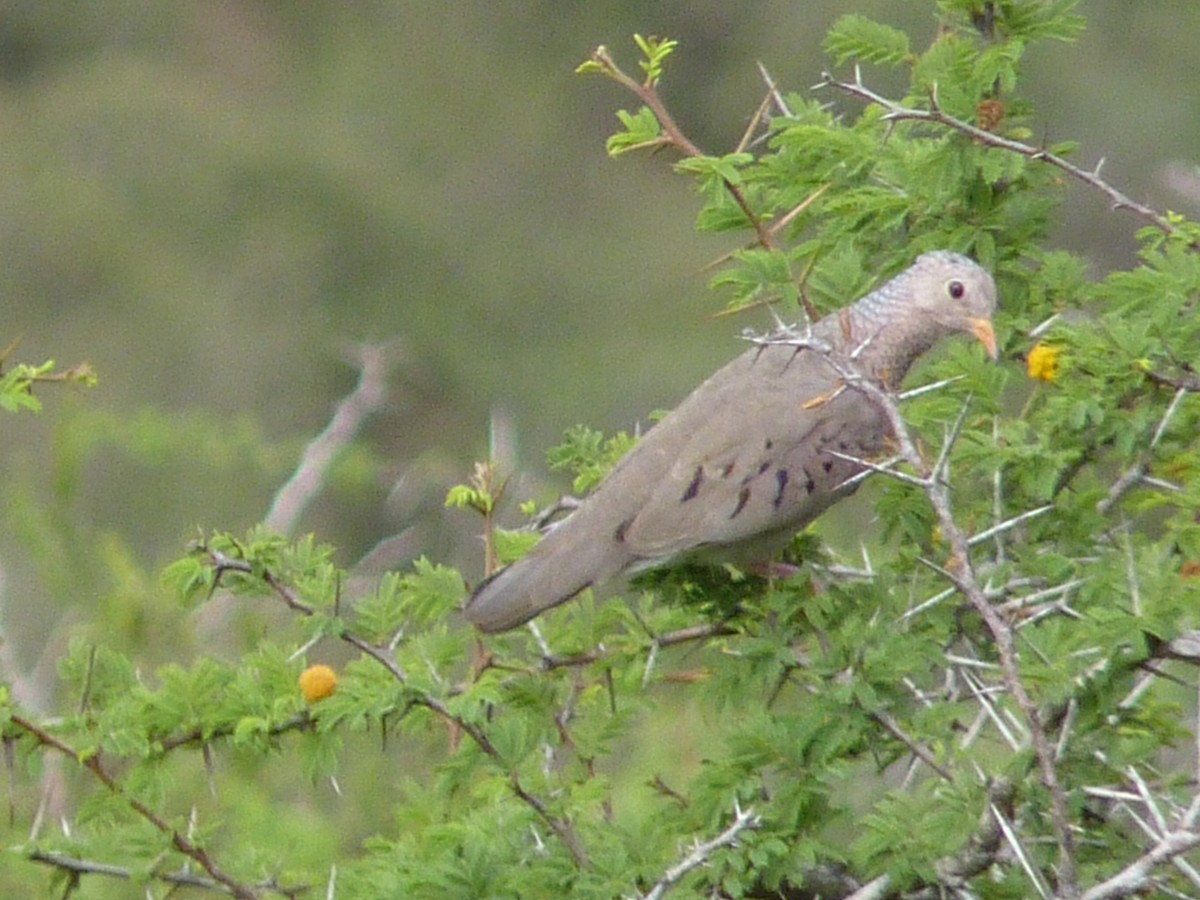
[565,562]
[517,593]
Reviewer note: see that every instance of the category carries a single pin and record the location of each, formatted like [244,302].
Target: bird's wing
[752,453]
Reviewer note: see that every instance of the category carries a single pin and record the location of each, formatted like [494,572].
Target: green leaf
[642,129]
[655,51]
[857,37]
[589,455]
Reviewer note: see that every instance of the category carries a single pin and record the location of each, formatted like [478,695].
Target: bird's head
[953,294]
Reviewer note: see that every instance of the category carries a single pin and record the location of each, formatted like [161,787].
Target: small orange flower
[317,683]
[1190,569]
[1042,362]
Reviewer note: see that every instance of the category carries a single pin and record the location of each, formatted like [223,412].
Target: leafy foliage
[719,734]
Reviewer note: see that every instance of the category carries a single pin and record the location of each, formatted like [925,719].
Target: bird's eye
[956,289]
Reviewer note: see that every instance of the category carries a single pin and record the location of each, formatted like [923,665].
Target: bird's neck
[883,346]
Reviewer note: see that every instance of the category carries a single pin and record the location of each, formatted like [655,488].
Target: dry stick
[180,841]
[1159,828]
[382,655]
[895,113]
[367,396]
[873,890]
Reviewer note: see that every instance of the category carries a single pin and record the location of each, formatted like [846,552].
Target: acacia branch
[1136,877]
[981,850]
[671,638]
[79,867]
[1136,473]
[385,656]
[917,749]
[94,764]
[961,573]
[647,92]
[700,853]
[894,112]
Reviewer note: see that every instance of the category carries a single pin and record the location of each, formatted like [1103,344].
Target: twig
[873,890]
[700,853]
[989,533]
[896,113]
[683,635]
[93,763]
[893,727]
[980,852]
[1135,877]
[79,867]
[1018,849]
[773,91]
[1136,474]
[674,136]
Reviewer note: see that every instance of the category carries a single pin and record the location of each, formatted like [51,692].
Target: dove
[756,452]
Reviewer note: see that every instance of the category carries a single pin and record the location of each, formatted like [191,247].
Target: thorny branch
[673,136]
[980,852]
[182,878]
[94,763]
[896,113]
[962,575]
[1136,473]
[670,639]
[702,851]
[385,656]
[932,481]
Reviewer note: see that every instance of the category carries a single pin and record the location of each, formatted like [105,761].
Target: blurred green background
[213,203]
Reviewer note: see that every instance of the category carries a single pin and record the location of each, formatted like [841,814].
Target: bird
[756,452]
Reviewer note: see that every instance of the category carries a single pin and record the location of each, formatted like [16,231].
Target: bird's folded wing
[748,455]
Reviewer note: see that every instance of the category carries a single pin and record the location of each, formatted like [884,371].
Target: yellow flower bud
[317,683]
[1043,362]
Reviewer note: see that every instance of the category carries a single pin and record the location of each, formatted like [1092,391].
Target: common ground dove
[745,461]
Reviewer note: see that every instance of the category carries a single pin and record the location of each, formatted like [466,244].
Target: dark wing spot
[727,469]
[762,468]
[619,534]
[809,484]
[827,466]
[694,488]
[743,499]
[769,444]
[781,479]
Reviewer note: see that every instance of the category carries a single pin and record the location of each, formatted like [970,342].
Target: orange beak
[983,330]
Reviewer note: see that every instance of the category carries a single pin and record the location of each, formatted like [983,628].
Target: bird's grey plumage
[745,461]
